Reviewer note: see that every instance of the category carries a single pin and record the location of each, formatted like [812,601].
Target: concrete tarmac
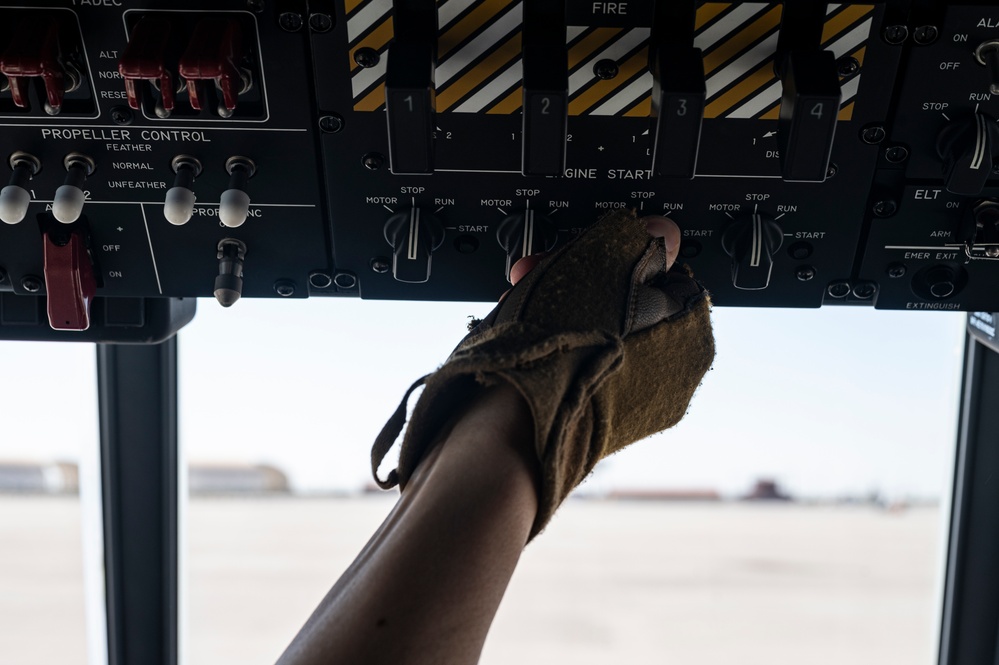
[609,582]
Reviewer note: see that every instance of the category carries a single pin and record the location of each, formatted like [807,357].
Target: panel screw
[290,21]
[865,290]
[832,170]
[345,280]
[896,154]
[847,67]
[885,208]
[873,135]
[373,161]
[992,252]
[331,124]
[31,284]
[805,273]
[896,270]
[605,69]
[925,34]
[284,288]
[121,115]
[255,6]
[895,34]
[838,289]
[320,280]
[320,22]
[366,57]
[381,265]
[3,275]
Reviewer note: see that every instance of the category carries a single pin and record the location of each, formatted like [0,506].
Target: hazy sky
[830,401]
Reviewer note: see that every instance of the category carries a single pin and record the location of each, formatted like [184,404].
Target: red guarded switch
[35,52]
[213,54]
[69,279]
[145,59]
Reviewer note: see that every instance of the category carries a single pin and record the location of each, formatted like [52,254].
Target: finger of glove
[664,297]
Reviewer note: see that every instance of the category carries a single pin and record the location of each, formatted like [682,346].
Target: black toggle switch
[524,234]
[987,54]
[413,235]
[229,282]
[810,98]
[678,90]
[967,147]
[752,242]
[410,93]
[546,88]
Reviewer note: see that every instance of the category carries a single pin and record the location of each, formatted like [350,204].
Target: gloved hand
[605,341]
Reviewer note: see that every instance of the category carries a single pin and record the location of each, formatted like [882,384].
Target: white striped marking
[450,10]
[370,14]
[757,250]
[414,230]
[980,142]
[488,39]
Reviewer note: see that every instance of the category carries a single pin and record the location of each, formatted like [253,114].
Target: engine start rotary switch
[413,235]
[967,146]
[524,234]
[752,241]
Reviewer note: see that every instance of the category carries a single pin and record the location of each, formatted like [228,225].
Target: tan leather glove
[604,344]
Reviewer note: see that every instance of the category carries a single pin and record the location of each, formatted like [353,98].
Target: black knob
[752,242]
[524,234]
[413,235]
[967,147]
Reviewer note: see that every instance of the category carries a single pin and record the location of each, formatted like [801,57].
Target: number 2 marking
[545,103]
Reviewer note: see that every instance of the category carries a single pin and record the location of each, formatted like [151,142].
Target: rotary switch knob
[967,147]
[413,235]
[524,234]
[752,242]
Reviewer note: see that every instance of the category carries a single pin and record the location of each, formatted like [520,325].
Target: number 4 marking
[817,110]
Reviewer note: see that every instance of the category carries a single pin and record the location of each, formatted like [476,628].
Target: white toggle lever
[67,206]
[179,204]
[234,205]
[15,197]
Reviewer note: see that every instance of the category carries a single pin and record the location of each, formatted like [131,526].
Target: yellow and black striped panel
[479,68]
